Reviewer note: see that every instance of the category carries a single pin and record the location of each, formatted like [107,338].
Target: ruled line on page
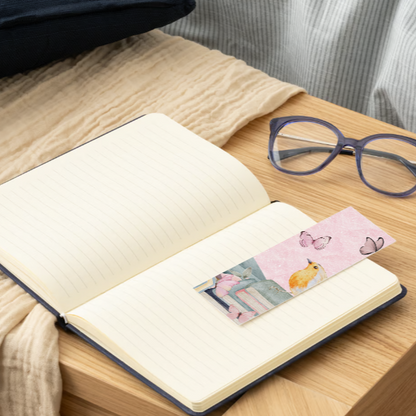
[119,212]
[231,173]
[117,330]
[173,159]
[115,192]
[80,207]
[180,182]
[29,215]
[160,199]
[177,161]
[113,218]
[69,219]
[44,270]
[200,159]
[208,170]
[32,224]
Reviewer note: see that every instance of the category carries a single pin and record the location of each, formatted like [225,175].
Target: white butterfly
[370,246]
[307,240]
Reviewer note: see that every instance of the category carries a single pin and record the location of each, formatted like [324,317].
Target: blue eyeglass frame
[356,146]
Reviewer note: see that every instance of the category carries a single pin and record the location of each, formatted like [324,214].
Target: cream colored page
[181,339]
[104,212]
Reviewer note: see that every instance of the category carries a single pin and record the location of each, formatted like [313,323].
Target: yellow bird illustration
[304,279]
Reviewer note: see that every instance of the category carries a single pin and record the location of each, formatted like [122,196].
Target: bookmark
[299,263]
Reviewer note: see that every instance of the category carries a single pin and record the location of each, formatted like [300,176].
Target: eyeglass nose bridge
[349,146]
[348,141]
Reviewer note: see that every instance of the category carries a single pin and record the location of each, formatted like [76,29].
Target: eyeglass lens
[303,146]
[389,165]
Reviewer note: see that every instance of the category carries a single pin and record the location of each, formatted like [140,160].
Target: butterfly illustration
[307,240]
[234,313]
[371,246]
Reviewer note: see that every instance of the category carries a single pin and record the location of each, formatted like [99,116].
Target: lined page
[179,338]
[98,215]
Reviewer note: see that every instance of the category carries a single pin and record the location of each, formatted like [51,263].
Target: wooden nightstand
[350,371]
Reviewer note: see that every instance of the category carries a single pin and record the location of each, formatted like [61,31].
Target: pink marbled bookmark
[299,263]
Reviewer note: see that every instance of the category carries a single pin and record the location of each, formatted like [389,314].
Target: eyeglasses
[300,145]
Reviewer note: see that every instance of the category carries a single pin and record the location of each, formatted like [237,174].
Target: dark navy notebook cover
[162,392]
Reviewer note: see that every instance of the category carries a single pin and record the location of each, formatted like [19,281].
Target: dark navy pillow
[36,32]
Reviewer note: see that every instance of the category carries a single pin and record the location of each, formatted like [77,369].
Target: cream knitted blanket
[60,106]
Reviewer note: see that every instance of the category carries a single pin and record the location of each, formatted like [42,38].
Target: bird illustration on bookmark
[370,246]
[306,240]
[306,278]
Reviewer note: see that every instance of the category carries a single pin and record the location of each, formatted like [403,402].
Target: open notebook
[115,234]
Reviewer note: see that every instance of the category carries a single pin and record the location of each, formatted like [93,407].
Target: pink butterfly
[371,246]
[307,240]
[234,313]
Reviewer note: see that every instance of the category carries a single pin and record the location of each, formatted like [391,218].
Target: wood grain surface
[282,397]
[343,370]
[394,393]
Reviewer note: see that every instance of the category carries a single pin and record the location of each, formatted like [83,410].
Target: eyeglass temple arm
[285,154]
